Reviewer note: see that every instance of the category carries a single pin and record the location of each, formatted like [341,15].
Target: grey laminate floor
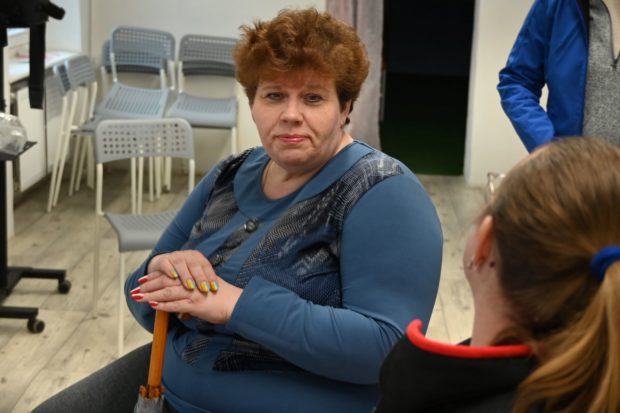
[77,341]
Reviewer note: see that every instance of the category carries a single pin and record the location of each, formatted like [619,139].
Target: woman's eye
[313,98]
[273,96]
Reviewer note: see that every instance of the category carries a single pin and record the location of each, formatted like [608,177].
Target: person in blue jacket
[572,47]
[300,262]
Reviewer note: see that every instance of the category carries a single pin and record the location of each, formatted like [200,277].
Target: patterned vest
[300,252]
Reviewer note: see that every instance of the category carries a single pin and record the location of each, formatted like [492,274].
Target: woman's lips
[291,138]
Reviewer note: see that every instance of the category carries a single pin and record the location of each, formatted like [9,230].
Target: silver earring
[470,265]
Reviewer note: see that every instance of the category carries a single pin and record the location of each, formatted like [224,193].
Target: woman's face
[299,120]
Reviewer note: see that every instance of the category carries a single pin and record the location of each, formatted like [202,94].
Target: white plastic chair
[202,55]
[81,75]
[134,49]
[61,100]
[135,139]
[122,66]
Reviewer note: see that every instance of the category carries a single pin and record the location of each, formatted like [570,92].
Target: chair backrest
[123,62]
[80,71]
[136,139]
[71,93]
[81,74]
[54,94]
[61,72]
[105,57]
[135,49]
[208,55]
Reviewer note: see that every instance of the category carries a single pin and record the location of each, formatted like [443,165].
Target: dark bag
[32,14]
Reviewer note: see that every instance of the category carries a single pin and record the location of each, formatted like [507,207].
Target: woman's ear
[346,108]
[485,240]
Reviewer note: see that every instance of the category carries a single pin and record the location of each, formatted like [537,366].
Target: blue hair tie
[603,259]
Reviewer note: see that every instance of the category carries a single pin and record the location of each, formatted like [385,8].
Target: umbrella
[151,399]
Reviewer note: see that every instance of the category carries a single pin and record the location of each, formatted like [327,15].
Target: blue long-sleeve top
[331,275]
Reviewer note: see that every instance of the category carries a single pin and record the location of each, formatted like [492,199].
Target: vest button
[216,260]
[250,225]
[234,244]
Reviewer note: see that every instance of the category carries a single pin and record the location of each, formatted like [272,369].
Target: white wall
[491,142]
[72,32]
[179,17]
[216,17]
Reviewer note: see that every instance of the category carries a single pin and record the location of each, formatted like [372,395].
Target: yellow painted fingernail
[190,284]
[203,287]
[174,274]
[214,286]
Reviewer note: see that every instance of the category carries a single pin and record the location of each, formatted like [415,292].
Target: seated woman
[300,262]
[543,263]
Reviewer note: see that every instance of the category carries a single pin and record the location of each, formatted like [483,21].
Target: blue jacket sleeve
[172,239]
[522,80]
[390,262]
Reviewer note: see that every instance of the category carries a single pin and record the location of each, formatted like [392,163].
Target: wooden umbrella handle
[158,349]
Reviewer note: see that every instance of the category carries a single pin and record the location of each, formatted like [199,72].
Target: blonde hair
[551,215]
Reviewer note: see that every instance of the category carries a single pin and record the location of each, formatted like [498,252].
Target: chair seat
[205,112]
[139,232]
[132,102]
[88,128]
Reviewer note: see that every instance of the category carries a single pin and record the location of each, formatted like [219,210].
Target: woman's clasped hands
[185,282]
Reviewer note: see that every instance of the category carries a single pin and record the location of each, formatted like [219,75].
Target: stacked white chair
[142,51]
[61,102]
[202,55]
[82,78]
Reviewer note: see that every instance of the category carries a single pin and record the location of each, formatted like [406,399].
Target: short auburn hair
[298,41]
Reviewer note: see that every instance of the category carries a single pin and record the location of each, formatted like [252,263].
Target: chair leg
[55,166]
[90,171]
[151,182]
[167,173]
[121,303]
[50,197]
[61,167]
[140,185]
[96,262]
[85,147]
[74,163]
[157,174]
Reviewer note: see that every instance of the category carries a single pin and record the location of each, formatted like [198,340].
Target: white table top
[19,67]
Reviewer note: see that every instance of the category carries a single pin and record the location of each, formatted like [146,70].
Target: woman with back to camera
[543,264]
[300,261]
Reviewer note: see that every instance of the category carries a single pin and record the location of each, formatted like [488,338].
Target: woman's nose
[292,112]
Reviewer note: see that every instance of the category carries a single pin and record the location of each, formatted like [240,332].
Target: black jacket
[421,375]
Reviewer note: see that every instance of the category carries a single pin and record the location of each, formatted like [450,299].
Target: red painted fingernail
[137,297]
[135,291]
[153,304]
[143,279]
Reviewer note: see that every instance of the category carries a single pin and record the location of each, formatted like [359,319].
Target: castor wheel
[64,286]
[35,326]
